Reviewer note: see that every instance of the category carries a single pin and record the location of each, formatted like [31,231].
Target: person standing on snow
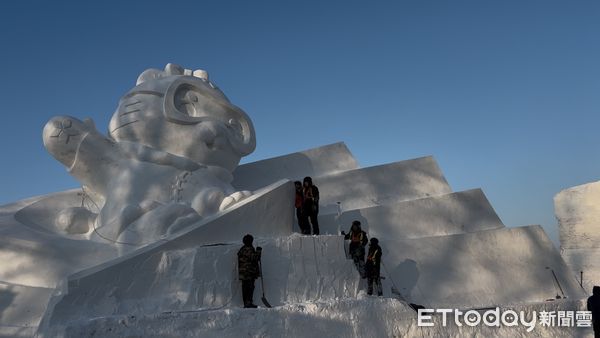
[358,241]
[299,203]
[248,260]
[311,205]
[372,267]
[593,304]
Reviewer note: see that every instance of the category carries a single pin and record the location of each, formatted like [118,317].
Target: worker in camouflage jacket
[372,267]
[248,260]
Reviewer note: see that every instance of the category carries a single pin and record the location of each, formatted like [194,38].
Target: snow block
[487,268]
[314,162]
[455,213]
[381,185]
[296,269]
[578,212]
[21,308]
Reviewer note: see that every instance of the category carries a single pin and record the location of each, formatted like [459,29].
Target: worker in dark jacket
[372,267]
[358,241]
[593,304]
[299,204]
[311,204]
[248,260]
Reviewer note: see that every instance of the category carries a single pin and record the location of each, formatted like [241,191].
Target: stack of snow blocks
[441,249]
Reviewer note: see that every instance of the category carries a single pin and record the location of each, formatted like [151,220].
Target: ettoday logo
[496,318]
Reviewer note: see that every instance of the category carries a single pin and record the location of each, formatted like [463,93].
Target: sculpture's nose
[206,133]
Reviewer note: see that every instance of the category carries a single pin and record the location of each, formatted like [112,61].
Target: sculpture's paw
[75,221]
[156,224]
[62,136]
[234,198]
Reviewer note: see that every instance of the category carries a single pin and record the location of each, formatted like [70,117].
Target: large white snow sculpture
[172,145]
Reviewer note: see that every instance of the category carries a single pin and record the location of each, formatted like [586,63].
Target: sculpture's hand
[62,136]
[234,198]
[88,155]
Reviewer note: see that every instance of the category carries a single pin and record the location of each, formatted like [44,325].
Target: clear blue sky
[505,94]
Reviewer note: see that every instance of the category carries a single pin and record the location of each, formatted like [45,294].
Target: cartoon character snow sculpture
[172,145]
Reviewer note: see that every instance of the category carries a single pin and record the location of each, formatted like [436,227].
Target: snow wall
[296,269]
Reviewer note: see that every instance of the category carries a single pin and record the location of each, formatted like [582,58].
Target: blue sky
[505,94]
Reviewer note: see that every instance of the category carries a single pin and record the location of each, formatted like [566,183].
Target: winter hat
[248,239]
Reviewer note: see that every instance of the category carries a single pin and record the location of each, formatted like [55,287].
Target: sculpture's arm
[89,156]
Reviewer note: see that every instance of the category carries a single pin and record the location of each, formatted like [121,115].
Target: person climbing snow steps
[372,267]
[358,241]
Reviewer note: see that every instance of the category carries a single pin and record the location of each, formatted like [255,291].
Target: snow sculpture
[172,145]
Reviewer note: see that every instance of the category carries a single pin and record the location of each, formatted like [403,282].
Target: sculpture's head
[181,112]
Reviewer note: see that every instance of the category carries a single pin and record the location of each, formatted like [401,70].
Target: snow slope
[455,213]
[33,254]
[314,162]
[381,185]
[486,268]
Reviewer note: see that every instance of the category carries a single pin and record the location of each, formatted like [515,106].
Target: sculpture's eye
[188,102]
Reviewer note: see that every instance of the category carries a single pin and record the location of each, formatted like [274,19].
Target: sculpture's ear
[89,122]
[148,75]
[192,100]
[170,69]
[173,69]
